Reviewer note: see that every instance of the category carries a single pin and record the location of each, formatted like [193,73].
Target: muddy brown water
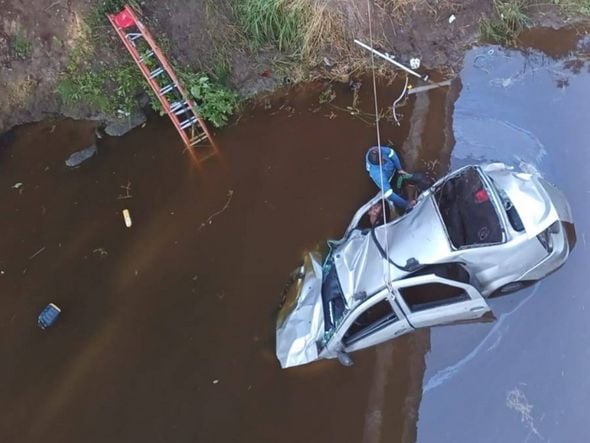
[167,331]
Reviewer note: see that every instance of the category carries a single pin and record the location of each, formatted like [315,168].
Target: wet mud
[167,327]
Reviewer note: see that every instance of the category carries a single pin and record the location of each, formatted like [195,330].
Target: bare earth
[195,33]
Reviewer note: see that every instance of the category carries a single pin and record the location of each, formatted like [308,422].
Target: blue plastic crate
[48,316]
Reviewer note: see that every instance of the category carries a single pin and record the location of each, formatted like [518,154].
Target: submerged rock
[123,125]
[79,157]
[6,138]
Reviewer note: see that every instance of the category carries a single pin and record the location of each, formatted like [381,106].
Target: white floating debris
[415,63]
[215,381]
[17,185]
[127,218]
[452,18]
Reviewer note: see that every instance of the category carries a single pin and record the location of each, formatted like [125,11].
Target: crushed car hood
[300,323]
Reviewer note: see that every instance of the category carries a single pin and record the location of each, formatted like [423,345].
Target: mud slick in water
[167,326]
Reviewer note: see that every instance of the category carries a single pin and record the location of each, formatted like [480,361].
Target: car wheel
[509,288]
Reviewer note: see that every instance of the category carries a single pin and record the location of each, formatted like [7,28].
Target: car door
[374,321]
[428,300]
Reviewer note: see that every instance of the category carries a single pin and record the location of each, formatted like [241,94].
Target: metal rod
[390,60]
[429,87]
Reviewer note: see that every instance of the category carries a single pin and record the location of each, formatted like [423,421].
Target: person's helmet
[374,156]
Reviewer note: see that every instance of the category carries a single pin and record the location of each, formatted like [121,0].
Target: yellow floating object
[127,218]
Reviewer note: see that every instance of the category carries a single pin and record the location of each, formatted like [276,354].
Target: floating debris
[48,316]
[127,218]
[230,195]
[37,253]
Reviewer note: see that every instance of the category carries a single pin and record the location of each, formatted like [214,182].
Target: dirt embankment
[39,40]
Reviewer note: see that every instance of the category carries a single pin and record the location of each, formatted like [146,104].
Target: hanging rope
[387,277]
[395,103]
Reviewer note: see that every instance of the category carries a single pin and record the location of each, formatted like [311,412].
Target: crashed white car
[478,232]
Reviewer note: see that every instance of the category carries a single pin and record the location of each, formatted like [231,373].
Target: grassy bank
[510,17]
[115,88]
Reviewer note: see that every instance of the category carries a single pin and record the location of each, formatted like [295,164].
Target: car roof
[419,235]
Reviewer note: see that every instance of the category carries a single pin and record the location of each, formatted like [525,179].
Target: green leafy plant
[508,22]
[21,46]
[215,102]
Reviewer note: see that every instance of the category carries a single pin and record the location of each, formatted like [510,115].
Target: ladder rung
[146,56]
[182,110]
[167,88]
[156,72]
[188,122]
[198,139]
[174,106]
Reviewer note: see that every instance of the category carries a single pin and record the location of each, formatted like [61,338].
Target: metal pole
[391,60]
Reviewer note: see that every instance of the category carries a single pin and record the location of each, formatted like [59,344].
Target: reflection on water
[522,378]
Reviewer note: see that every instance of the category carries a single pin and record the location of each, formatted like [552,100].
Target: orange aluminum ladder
[161,77]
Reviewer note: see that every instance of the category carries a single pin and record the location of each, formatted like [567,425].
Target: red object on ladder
[161,77]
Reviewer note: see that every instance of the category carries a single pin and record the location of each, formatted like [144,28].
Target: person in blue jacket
[391,166]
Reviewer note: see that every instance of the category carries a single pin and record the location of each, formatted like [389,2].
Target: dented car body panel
[474,232]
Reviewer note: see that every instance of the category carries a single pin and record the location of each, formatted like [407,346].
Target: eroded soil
[200,33]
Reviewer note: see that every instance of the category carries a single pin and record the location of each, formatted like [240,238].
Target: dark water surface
[167,331]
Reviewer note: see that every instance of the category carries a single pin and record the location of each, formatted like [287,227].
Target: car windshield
[332,297]
[467,211]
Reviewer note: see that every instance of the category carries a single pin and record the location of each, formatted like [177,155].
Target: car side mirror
[344,359]
[359,296]
[412,264]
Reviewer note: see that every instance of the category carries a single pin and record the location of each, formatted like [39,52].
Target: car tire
[509,288]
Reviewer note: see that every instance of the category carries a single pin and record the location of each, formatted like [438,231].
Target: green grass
[107,89]
[508,22]
[114,89]
[280,23]
[574,6]
[21,46]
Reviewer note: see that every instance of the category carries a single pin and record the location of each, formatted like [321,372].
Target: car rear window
[467,211]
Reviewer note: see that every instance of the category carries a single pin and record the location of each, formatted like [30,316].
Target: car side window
[371,320]
[432,295]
